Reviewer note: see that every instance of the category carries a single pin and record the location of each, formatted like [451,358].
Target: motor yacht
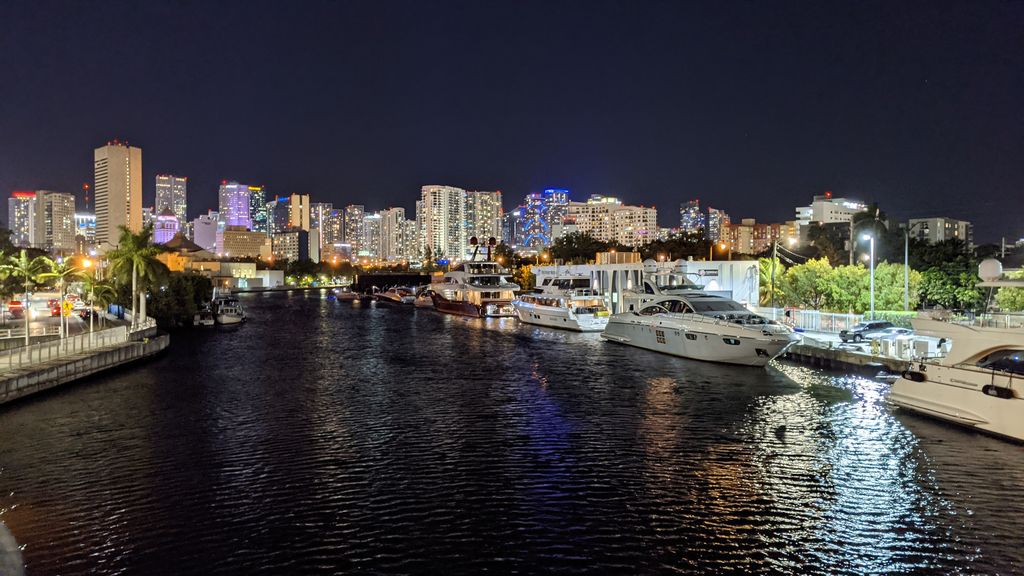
[978,383]
[479,289]
[227,309]
[564,302]
[701,326]
[423,298]
[396,295]
[345,294]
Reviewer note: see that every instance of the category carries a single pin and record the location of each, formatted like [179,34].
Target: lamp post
[906,265]
[871,262]
[92,296]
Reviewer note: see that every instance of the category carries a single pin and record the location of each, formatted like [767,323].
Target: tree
[807,284]
[63,272]
[1011,299]
[26,270]
[765,296]
[577,247]
[848,289]
[98,291]
[135,257]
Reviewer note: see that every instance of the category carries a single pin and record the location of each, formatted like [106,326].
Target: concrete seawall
[46,375]
[845,360]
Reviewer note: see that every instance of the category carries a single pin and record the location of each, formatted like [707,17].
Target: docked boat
[204,317]
[978,383]
[478,289]
[227,309]
[345,294]
[423,298]
[563,302]
[396,295]
[701,326]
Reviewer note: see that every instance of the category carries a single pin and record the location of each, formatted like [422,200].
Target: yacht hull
[229,319]
[494,309]
[741,349]
[958,395]
[559,318]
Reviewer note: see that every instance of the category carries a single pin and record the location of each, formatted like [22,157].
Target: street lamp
[87,264]
[906,264]
[871,261]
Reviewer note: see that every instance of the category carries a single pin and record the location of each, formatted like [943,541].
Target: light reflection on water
[326,436]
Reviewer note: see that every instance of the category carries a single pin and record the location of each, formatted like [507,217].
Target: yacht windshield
[487,280]
[1011,361]
[570,283]
[717,305]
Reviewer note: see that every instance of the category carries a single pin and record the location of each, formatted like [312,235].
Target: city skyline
[744,110]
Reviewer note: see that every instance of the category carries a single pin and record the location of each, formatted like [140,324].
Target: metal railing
[9,333]
[812,320]
[26,356]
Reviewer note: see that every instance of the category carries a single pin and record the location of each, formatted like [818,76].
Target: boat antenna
[476,248]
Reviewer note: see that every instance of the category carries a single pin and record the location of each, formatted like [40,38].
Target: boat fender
[998,391]
[914,376]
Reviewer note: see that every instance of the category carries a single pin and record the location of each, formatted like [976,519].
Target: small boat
[423,298]
[345,294]
[227,309]
[396,295]
[204,317]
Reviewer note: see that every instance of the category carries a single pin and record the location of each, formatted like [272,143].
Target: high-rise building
[242,243]
[234,207]
[691,219]
[319,218]
[607,219]
[85,229]
[354,226]
[291,244]
[410,248]
[825,209]
[512,227]
[483,215]
[540,212]
[21,218]
[371,244]
[165,226]
[398,236]
[118,191]
[333,228]
[441,217]
[298,213]
[258,209]
[718,221]
[172,192]
[56,216]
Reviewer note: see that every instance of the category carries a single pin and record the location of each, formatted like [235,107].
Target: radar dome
[990,270]
[650,266]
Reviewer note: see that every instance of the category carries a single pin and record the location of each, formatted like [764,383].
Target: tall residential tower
[118,191]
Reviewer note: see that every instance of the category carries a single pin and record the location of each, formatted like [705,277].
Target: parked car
[15,309]
[865,331]
[893,333]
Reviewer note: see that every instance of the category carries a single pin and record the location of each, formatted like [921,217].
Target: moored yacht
[701,326]
[345,294]
[979,383]
[227,309]
[479,289]
[563,302]
[396,295]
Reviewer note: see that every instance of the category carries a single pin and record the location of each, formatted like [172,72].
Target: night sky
[750,106]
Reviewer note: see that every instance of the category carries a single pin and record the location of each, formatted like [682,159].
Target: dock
[844,360]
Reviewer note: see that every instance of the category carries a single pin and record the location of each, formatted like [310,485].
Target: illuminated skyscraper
[234,204]
[483,216]
[441,220]
[691,219]
[718,222]
[609,220]
[540,211]
[21,217]
[258,209]
[165,226]
[354,226]
[118,191]
[171,192]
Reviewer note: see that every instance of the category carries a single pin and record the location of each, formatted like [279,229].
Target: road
[42,320]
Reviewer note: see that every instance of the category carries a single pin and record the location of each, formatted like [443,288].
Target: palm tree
[135,255]
[64,272]
[21,267]
[98,291]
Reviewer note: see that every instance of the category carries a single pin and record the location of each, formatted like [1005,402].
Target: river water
[325,437]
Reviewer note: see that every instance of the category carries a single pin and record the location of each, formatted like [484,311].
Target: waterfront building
[166,226]
[204,231]
[238,242]
[298,213]
[258,210]
[691,219]
[607,219]
[279,214]
[940,229]
[410,247]
[441,217]
[483,215]
[291,244]
[117,170]
[333,227]
[319,215]
[392,234]
[21,217]
[354,231]
[718,222]
[370,247]
[172,192]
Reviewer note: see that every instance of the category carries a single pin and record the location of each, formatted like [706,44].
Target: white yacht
[476,289]
[227,309]
[701,326]
[564,302]
[396,295]
[979,383]
[345,294]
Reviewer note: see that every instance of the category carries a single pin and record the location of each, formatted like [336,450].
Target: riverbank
[20,381]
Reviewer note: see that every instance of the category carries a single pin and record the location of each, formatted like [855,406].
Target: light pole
[871,262]
[906,265]
[92,311]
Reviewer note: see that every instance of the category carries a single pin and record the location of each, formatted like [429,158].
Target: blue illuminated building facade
[540,212]
[691,219]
